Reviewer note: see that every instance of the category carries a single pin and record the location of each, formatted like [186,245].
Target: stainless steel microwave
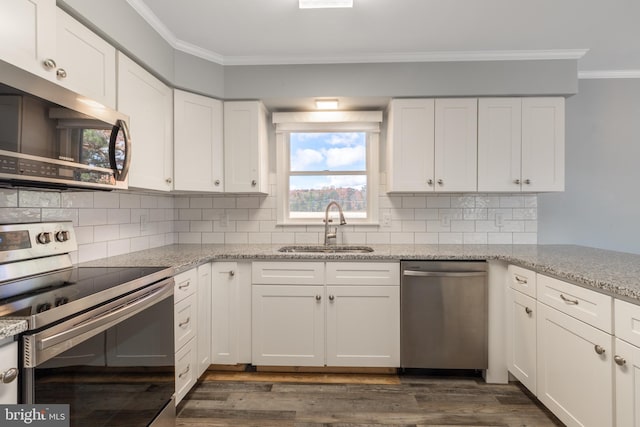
[51,137]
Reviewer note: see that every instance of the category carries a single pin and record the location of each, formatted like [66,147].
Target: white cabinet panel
[185,319]
[288,325]
[363,326]
[363,273]
[456,146]
[499,144]
[543,144]
[245,147]
[87,62]
[9,360]
[203,343]
[198,145]
[627,321]
[225,313]
[28,29]
[287,273]
[574,381]
[186,283]
[627,378]
[149,104]
[522,280]
[521,338]
[410,145]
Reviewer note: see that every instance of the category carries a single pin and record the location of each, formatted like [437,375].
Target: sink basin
[326,249]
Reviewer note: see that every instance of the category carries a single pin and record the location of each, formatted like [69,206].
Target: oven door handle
[39,347]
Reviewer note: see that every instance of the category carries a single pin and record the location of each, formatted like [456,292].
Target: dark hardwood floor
[342,400]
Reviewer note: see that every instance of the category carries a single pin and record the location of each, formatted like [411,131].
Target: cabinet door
[543,144]
[9,360]
[87,63]
[574,381]
[456,144]
[186,365]
[499,144]
[410,145]
[149,104]
[287,325]
[185,321]
[521,338]
[28,32]
[224,307]
[198,159]
[203,343]
[245,147]
[363,326]
[627,395]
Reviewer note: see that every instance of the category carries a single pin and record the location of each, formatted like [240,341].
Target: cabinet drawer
[185,320]
[186,284]
[185,369]
[583,304]
[287,273]
[363,273]
[522,280]
[627,318]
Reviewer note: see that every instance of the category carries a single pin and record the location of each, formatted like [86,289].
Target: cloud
[346,138]
[346,156]
[302,158]
[344,181]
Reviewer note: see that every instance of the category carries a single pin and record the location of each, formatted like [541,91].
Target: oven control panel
[34,240]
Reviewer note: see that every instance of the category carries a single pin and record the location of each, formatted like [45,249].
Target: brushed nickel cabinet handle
[61,73]
[620,361]
[185,322]
[516,181]
[217,182]
[254,182]
[430,181]
[599,349]
[318,297]
[568,300]
[185,285]
[440,181]
[185,372]
[9,375]
[331,297]
[49,64]
[527,181]
[528,310]
[521,280]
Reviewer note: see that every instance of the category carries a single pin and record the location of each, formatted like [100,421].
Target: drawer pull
[521,280]
[318,297]
[569,301]
[9,375]
[528,311]
[599,349]
[230,273]
[184,323]
[185,372]
[619,360]
[185,285]
[331,297]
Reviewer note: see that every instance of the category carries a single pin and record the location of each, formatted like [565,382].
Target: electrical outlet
[445,221]
[386,220]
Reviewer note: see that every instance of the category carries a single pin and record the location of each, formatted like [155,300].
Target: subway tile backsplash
[114,223]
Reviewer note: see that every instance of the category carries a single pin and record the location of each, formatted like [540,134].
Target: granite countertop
[614,273]
[9,328]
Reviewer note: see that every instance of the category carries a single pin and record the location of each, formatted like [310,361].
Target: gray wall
[601,204]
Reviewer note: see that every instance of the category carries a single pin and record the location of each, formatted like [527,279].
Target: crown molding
[356,58]
[609,74]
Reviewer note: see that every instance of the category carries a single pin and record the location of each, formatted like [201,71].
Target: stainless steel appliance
[99,338]
[52,137]
[443,315]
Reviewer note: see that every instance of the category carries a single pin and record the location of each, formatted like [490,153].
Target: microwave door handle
[120,125]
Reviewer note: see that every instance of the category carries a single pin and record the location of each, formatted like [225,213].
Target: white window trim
[342,121]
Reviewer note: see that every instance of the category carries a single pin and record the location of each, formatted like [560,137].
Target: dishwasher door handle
[418,273]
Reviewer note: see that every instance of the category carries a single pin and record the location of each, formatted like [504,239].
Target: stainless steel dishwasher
[443,315]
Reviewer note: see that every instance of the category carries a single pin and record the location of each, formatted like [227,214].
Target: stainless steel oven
[99,338]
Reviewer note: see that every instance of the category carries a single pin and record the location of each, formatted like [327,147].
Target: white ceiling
[235,32]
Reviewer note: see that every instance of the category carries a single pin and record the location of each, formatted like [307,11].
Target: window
[323,162]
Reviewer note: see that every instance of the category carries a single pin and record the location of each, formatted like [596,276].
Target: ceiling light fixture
[321,4]
[327,104]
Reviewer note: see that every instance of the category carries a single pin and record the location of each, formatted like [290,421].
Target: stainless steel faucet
[327,234]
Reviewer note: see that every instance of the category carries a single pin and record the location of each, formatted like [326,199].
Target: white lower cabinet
[204,318]
[231,313]
[8,363]
[334,314]
[186,376]
[575,376]
[627,379]
[521,338]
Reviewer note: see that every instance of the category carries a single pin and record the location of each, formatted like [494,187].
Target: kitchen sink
[327,249]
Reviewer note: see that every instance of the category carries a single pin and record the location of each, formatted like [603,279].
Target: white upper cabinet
[431,145]
[521,144]
[48,42]
[543,144]
[456,146]
[410,145]
[149,104]
[87,63]
[245,147]
[198,145]
[28,28]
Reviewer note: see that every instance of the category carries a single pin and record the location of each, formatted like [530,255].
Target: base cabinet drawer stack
[333,314]
[185,330]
